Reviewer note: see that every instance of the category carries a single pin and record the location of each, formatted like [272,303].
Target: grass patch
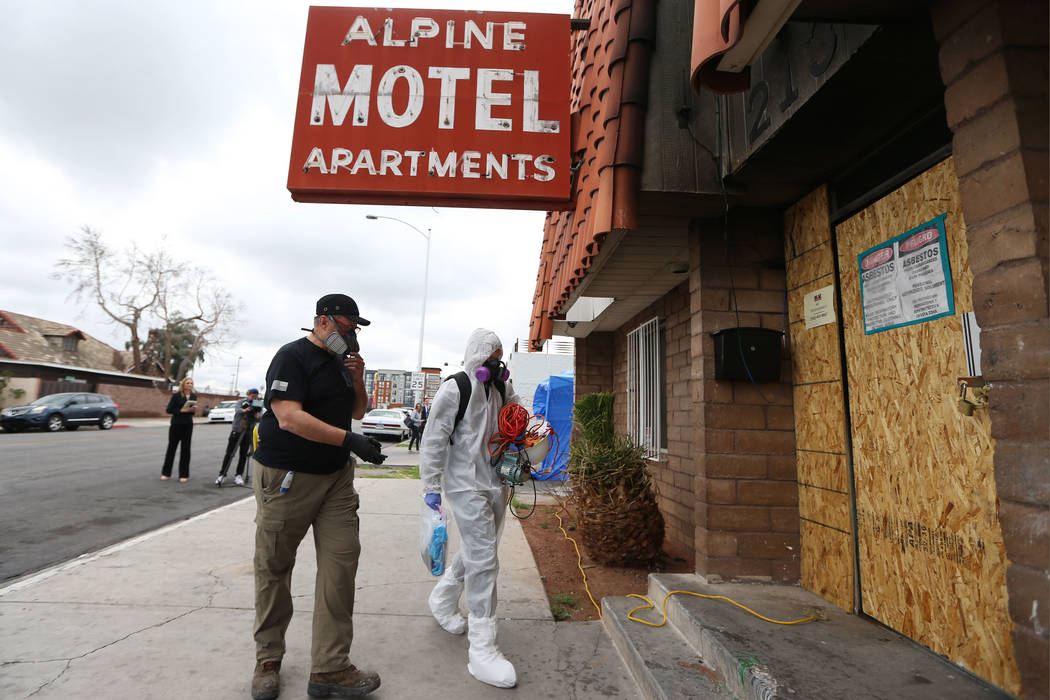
[562,605]
[375,472]
[518,505]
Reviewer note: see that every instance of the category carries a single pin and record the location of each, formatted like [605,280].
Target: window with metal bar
[645,387]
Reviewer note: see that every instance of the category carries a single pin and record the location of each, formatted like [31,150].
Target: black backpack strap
[464,398]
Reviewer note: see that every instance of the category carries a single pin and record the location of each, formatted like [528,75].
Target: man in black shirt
[305,477]
[240,440]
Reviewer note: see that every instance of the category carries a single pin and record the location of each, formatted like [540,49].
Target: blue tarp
[553,400]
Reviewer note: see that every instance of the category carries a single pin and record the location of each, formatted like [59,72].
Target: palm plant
[612,491]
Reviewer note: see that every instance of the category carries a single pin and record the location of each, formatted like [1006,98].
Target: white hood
[464,464]
[480,345]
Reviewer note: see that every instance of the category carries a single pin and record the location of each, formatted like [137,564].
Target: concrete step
[839,656]
[662,663]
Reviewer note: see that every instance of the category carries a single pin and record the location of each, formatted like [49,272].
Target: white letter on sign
[514,40]
[360,30]
[315,160]
[326,84]
[340,158]
[385,96]
[470,29]
[487,98]
[531,108]
[388,34]
[422,28]
[469,164]
[447,103]
[541,165]
[442,168]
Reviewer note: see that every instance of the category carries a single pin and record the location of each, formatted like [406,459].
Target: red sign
[433,107]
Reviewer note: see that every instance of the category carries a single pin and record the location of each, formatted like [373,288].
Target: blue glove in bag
[433,539]
[437,550]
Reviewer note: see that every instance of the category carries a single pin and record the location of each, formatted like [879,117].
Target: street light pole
[426,281]
[236,374]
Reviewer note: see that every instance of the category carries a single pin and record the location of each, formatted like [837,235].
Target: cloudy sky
[157,121]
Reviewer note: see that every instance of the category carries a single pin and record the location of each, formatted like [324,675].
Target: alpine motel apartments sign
[430,107]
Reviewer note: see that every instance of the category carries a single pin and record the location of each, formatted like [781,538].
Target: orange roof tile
[610,92]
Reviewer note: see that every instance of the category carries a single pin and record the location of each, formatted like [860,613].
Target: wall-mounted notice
[907,279]
[819,307]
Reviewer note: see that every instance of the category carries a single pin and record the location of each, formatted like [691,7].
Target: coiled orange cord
[519,429]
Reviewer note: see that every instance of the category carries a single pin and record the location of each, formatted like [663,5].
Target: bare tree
[197,304]
[132,285]
[125,285]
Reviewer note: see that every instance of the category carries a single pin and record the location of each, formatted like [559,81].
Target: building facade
[870,194]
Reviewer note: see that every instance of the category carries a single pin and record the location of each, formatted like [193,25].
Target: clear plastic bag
[433,539]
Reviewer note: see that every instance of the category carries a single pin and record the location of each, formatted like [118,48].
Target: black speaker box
[740,350]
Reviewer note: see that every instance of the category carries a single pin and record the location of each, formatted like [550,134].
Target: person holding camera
[181,407]
[241,437]
[305,477]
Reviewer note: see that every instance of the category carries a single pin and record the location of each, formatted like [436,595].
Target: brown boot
[348,683]
[266,681]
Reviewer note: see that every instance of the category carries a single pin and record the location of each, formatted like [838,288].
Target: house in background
[743,166]
[44,357]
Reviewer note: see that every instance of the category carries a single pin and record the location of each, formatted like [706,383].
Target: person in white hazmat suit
[479,503]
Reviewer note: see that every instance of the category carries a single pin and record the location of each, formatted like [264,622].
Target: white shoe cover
[444,604]
[484,660]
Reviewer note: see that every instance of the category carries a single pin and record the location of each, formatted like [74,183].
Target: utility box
[740,351]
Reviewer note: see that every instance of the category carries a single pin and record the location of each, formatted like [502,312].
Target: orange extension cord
[520,430]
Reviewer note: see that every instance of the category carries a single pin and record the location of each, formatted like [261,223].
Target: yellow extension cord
[579,564]
[649,605]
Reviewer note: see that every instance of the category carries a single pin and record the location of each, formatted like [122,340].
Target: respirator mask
[340,344]
[492,369]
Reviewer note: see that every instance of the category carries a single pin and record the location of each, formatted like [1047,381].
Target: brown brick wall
[993,58]
[594,358]
[137,401]
[146,402]
[674,472]
[747,524]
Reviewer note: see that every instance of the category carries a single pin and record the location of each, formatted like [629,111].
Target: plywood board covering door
[932,564]
[820,429]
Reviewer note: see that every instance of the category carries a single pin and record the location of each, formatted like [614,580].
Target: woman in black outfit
[181,407]
[415,424]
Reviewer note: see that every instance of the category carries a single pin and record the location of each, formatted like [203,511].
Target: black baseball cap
[340,305]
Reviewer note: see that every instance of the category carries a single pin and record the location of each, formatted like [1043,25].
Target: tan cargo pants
[328,503]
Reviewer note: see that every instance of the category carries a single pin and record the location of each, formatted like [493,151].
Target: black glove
[364,447]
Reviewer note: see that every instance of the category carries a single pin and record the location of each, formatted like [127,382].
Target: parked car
[57,411]
[223,412]
[383,421]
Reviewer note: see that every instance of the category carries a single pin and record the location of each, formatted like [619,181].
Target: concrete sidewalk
[169,614]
